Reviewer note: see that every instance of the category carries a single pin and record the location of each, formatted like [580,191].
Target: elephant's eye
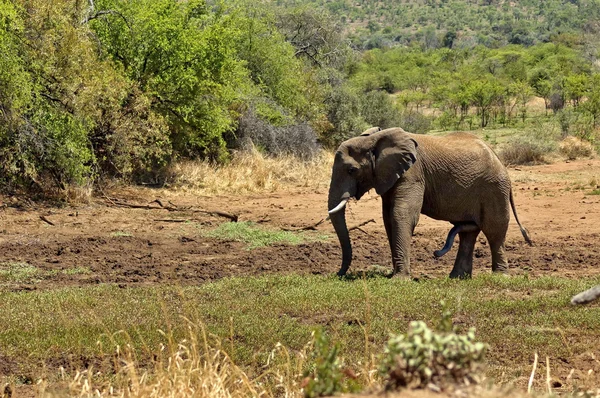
[352,170]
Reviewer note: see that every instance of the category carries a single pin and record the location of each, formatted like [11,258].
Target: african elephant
[456,178]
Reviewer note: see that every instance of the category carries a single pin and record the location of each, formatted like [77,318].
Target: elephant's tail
[523,229]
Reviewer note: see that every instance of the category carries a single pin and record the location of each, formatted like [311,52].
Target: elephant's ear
[393,154]
[370,131]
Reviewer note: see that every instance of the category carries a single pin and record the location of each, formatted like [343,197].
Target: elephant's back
[460,153]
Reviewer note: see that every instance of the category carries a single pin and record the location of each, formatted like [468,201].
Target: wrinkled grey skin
[456,178]
[587,296]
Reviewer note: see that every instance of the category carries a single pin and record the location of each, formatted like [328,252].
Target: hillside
[462,23]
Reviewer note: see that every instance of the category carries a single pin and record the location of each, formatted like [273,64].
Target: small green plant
[325,375]
[594,192]
[256,236]
[424,358]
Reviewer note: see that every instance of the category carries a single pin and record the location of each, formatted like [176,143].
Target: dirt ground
[136,246]
[133,246]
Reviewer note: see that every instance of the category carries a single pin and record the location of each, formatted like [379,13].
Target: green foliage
[184,56]
[325,376]
[422,357]
[121,88]
[431,24]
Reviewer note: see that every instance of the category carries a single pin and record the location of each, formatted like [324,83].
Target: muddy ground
[132,246]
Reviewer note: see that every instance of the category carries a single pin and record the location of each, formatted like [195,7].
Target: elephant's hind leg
[496,238]
[463,265]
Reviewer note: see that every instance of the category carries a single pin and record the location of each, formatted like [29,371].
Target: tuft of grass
[594,192]
[256,236]
[17,272]
[250,172]
[76,271]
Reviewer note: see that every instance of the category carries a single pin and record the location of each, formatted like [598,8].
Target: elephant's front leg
[400,216]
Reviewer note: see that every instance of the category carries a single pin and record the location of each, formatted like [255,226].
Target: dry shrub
[573,148]
[526,150]
[251,172]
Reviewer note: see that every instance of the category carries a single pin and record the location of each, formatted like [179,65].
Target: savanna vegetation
[243,96]
[105,89]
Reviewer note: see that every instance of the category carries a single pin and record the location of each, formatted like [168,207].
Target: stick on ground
[232,217]
[44,219]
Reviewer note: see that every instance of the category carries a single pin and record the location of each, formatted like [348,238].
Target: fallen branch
[361,224]
[363,231]
[44,219]
[172,220]
[312,227]
[232,217]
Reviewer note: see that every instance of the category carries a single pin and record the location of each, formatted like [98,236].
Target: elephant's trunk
[338,219]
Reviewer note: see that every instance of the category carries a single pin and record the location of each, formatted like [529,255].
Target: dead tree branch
[312,227]
[44,219]
[120,203]
[361,224]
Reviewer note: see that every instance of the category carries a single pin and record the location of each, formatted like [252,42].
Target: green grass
[511,314]
[257,236]
[19,272]
[594,192]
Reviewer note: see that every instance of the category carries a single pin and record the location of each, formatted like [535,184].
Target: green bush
[422,358]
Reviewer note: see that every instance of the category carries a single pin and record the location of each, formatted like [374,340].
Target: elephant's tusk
[339,207]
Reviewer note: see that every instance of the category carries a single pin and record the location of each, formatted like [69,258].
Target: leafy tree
[184,57]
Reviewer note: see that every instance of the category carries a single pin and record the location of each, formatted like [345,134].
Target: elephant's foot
[460,274]
[401,275]
[500,270]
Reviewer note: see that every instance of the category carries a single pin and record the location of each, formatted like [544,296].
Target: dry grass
[250,172]
[526,150]
[573,148]
[196,367]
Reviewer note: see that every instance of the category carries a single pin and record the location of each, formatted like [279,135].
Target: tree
[484,93]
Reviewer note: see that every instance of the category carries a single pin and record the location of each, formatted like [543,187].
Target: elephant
[456,178]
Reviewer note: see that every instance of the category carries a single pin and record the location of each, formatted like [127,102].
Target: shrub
[423,358]
[292,139]
[573,148]
[415,122]
[526,150]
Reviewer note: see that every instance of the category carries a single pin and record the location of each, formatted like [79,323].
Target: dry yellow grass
[196,367]
[251,172]
[573,148]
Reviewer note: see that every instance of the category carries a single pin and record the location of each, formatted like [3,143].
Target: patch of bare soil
[133,246]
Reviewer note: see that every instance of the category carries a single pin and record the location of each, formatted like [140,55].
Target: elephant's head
[375,159]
